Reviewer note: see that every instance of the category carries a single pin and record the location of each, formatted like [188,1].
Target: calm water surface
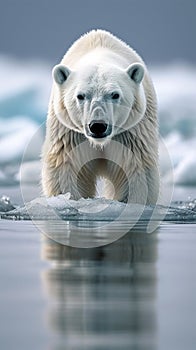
[136,293]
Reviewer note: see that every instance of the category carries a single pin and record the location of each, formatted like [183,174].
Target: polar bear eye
[81,97]
[115,96]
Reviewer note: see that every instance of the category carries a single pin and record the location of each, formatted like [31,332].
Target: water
[137,293]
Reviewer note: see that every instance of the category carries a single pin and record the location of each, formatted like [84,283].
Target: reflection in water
[105,297]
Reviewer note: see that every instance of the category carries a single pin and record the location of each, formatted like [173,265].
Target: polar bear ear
[60,73]
[136,72]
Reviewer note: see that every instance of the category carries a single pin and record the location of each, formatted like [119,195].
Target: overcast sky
[161,31]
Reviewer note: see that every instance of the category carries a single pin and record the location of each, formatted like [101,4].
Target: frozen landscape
[135,288]
[70,296]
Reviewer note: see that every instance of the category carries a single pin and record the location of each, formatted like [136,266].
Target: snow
[15,136]
[30,172]
[62,207]
[89,223]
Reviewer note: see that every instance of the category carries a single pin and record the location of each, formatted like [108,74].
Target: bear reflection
[103,297]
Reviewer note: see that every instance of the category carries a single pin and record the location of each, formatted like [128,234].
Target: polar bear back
[98,42]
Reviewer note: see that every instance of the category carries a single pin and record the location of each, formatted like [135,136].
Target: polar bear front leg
[129,190]
[65,178]
[141,187]
[58,180]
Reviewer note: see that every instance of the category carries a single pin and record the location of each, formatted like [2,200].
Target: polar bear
[102,122]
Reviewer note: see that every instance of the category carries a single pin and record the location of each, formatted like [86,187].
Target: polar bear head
[99,101]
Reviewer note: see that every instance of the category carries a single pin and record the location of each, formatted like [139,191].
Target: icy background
[24,95]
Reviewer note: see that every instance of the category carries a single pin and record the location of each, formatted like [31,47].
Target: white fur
[97,66]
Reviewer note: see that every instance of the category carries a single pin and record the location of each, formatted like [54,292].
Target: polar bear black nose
[98,129]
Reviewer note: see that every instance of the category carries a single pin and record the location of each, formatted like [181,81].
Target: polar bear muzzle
[98,129]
